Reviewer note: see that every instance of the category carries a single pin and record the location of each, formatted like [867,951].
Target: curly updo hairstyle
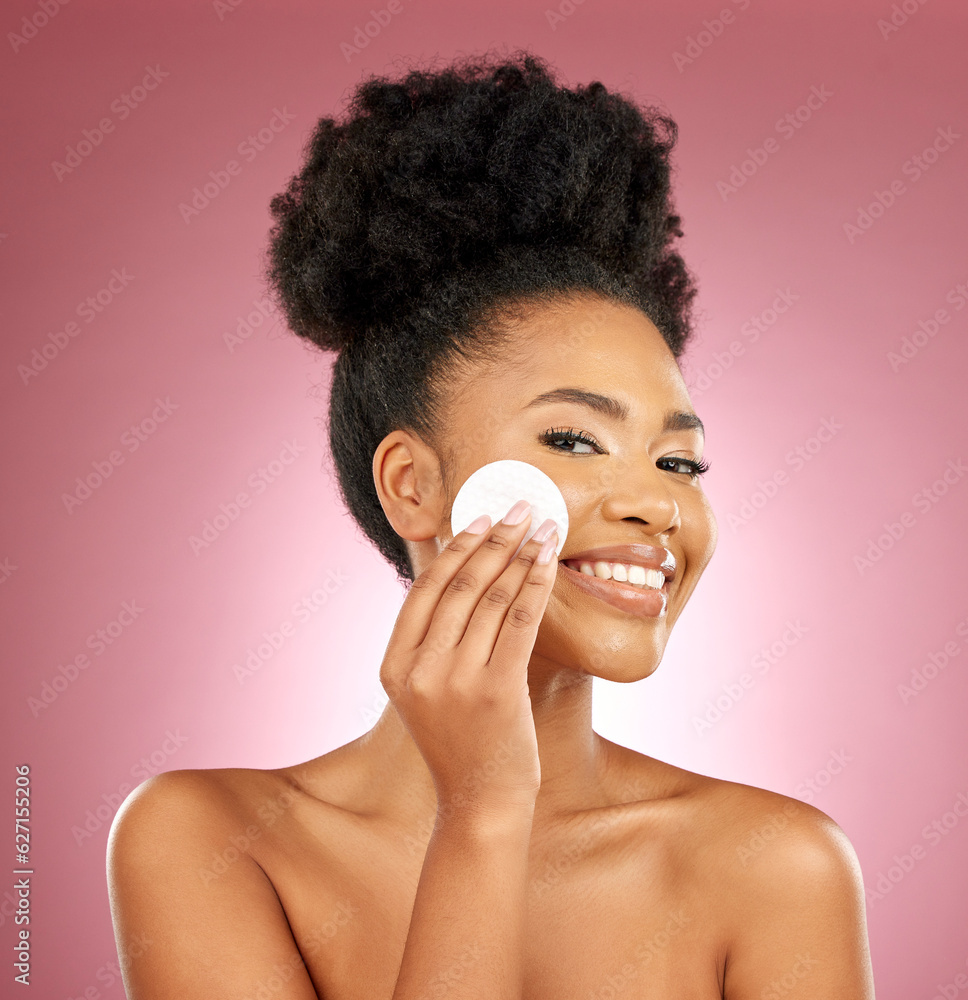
[443,198]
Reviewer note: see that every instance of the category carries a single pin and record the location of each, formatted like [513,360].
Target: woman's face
[627,480]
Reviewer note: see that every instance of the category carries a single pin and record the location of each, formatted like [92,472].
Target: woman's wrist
[486,822]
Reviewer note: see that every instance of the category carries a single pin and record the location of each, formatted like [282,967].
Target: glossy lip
[644,602]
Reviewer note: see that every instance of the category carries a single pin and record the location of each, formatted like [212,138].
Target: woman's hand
[456,666]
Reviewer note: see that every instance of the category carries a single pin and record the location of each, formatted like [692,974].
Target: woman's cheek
[700,537]
[712,533]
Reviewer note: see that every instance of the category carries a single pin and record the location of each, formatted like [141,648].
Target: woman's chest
[600,925]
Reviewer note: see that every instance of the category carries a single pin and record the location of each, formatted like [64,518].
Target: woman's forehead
[603,348]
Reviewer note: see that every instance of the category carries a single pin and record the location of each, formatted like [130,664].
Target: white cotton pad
[494,488]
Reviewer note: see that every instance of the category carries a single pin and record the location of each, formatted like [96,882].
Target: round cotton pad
[494,488]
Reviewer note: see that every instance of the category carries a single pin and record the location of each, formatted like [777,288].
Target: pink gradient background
[833,691]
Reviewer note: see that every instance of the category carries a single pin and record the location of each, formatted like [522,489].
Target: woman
[494,258]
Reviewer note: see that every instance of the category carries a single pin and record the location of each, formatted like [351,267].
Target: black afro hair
[439,198]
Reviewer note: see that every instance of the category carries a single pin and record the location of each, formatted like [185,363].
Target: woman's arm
[467,926]
[800,928]
[456,670]
[180,935]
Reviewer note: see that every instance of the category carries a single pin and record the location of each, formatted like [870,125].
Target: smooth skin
[481,840]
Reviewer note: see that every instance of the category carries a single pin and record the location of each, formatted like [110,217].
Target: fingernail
[547,552]
[547,527]
[517,513]
[478,525]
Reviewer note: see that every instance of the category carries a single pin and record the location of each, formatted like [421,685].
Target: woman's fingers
[504,625]
[446,592]
[476,580]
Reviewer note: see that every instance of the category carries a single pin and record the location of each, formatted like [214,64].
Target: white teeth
[637,575]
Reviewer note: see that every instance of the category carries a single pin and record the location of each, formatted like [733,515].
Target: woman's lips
[645,602]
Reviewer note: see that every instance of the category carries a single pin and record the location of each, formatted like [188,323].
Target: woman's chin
[625,669]
[613,655]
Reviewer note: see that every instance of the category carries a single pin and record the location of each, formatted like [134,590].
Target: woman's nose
[639,491]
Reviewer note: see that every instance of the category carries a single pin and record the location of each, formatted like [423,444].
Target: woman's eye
[577,443]
[685,466]
[583,445]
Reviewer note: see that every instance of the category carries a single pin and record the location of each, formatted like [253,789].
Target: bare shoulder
[212,817]
[760,835]
[196,803]
[775,880]
[169,791]
[781,881]
[181,869]
[732,825]
[178,821]
[742,833]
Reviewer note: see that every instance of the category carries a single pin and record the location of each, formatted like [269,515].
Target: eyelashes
[693,468]
[570,434]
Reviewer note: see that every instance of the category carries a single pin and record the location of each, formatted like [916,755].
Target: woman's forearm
[467,927]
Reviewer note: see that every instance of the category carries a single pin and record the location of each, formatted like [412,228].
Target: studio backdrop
[180,585]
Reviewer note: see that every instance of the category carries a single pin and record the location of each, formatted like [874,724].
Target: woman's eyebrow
[675,420]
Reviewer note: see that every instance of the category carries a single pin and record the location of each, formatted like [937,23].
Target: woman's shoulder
[184,810]
[736,833]
[192,809]
[758,827]
[189,852]
[210,790]
[776,879]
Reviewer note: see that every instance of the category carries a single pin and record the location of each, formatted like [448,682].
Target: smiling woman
[492,256]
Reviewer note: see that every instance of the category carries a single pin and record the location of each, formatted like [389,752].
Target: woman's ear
[407,476]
